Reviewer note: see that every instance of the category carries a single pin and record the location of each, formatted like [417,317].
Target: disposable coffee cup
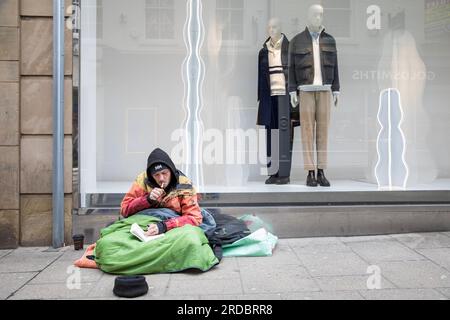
[78,241]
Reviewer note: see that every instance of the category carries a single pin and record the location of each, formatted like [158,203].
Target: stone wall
[26,53]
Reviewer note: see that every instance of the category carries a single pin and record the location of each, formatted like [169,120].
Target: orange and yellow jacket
[180,196]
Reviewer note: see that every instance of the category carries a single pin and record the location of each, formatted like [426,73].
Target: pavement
[406,266]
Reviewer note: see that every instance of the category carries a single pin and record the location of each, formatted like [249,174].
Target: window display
[205,81]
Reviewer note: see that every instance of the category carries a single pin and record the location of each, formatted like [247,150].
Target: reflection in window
[337,17]
[230,19]
[159,17]
[99,20]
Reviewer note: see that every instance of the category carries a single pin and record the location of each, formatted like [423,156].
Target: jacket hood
[160,156]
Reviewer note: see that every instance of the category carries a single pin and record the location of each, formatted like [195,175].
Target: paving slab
[444,291]
[415,274]
[314,245]
[334,264]
[440,256]
[11,282]
[430,240]
[228,268]
[32,259]
[157,286]
[329,295]
[269,296]
[311,241]
[283,254]
[61,271]
[403,294]
[365,238]
[71,255]
[349,283]
[375,251]
[51,291]
[276,279]
[204,287]
[4,253]
[173,297]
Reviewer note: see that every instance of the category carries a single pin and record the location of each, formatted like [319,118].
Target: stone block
[36,165]
[9,178]
[9,113]
[9,71]
[37,47]
[36,220]
[37,105]
[40,8]
[9,229]
[9,13]
[9,43]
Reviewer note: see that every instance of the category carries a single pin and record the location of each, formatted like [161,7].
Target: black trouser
[280,164]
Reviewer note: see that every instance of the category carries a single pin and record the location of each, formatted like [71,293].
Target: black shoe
[284,180]
[322,180]
[272,180]
[311,180]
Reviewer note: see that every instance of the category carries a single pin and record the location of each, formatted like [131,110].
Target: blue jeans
[208,224]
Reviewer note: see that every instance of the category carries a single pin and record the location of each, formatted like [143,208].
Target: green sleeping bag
[119,252]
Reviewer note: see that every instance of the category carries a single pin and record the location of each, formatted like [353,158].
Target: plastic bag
[258,244]
[254,223]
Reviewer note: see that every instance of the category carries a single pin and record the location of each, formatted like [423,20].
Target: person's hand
[152,230]
[156,228]
[294,99]
[335,98]
[156,193]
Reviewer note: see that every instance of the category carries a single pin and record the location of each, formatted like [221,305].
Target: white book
[137,231]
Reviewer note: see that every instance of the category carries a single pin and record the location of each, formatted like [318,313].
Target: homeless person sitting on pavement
[161,204]
[163,186]
[163,201]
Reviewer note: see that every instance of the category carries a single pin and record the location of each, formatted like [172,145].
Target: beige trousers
[315,119]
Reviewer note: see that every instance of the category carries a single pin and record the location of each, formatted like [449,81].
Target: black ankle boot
[283,180]
[311,179]
[272,180]
[321,179]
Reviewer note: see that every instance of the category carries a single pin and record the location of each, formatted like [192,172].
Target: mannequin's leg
[323,122]
[268,145]
[272,175]
[284,122]
[307,123]
[272,144]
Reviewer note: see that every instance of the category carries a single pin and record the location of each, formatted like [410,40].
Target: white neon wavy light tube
[194,67]
[187,85]
[379,182]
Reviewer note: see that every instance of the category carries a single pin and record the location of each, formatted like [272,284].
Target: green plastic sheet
[257,244]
